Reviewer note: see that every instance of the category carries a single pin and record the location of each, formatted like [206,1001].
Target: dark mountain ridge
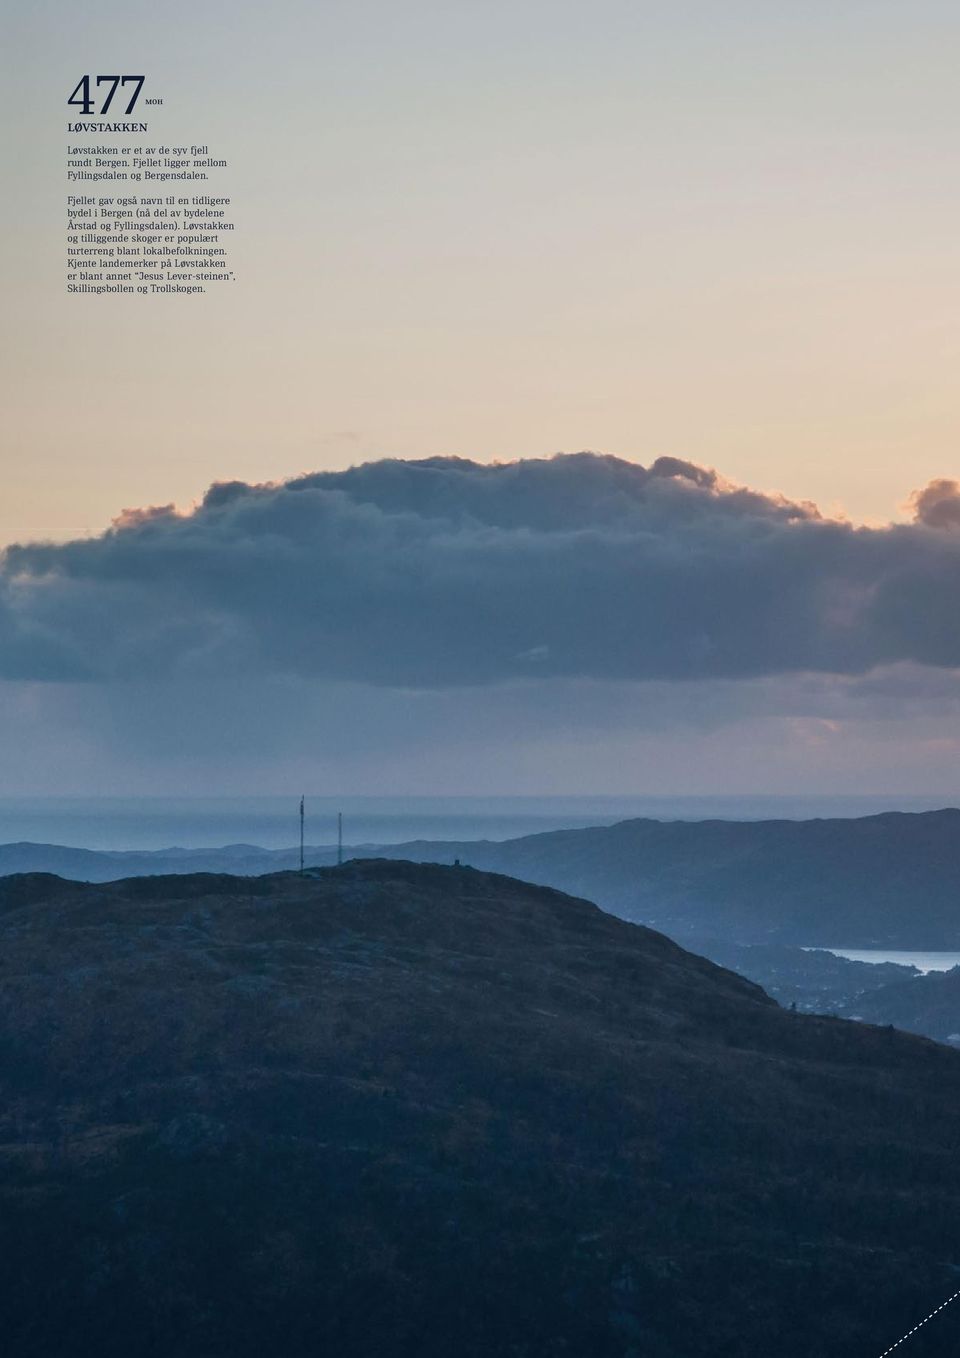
[885,881]
[891,880]
[403,1109]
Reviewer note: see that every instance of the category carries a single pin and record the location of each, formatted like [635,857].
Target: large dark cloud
[446,572]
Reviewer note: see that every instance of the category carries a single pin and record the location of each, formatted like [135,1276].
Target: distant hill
[396,1109]
[891,880]
[924,1004]
[813,981]
[102,865]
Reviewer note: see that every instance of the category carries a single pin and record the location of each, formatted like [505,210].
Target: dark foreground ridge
[397,1109]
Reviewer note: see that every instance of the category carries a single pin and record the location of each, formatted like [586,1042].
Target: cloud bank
[444,573]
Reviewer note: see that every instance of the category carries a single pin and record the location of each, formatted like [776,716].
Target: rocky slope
[414,1110]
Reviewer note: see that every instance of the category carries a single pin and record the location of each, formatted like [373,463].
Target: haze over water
[271,822]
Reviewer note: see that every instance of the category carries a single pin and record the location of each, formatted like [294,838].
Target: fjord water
[923,961]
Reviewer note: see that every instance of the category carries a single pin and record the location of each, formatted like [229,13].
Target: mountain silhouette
[400,1109]
[884,881]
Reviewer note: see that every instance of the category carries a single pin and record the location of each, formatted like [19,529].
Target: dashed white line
[919,1324]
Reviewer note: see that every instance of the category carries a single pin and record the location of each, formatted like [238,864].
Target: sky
[724,235]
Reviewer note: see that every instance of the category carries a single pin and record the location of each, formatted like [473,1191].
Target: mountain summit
[401,1109]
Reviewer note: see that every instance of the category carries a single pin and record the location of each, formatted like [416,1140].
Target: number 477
[85,101]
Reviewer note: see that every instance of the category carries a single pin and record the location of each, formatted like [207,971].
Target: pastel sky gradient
[719,232]
[726,232]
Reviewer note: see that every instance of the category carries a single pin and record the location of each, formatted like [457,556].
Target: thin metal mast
[339,838]
[301,836]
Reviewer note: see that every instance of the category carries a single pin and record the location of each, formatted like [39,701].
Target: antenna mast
[339,838]
[301,836]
